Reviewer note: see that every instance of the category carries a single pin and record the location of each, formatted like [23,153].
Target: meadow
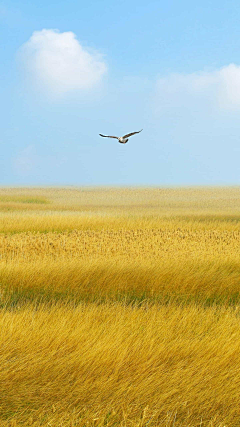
[120,307]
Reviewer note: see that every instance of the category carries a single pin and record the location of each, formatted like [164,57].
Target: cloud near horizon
[58,62]
[218,89]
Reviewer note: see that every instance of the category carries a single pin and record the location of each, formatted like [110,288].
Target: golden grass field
[120,307]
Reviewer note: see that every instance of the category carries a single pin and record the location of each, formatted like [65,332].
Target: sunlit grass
[208,282]
[121,364]
[119,307]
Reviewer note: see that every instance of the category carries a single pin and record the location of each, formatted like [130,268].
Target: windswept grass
[118,365]
[120,307]
[209,282]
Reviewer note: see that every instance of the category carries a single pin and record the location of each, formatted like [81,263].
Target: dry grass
[110,362]
[119,307]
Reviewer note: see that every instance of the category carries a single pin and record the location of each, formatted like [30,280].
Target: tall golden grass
[119,365]
[119,307]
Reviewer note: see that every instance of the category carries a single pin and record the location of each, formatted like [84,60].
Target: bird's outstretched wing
[130,134]
[107,136]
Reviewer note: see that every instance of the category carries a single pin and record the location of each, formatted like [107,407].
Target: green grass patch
[24,199]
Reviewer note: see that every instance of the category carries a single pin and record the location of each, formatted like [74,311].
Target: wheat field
[120,307]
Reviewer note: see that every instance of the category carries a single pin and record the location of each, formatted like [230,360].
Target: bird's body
[121,139]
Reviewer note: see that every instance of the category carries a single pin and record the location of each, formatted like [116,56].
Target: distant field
[120,307]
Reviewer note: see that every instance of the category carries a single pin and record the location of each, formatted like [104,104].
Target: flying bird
[122,139]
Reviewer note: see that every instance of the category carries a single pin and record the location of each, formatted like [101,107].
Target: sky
[71,70]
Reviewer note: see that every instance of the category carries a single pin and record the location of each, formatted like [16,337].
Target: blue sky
[71,70]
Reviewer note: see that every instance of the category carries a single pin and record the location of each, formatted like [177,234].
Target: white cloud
[229,87]
[58,62]
[219,88]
